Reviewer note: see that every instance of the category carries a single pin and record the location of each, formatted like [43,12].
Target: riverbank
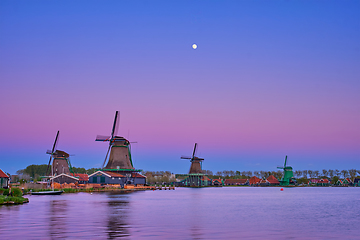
[7,200]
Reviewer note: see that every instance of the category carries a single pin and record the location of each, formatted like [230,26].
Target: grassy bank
[15,197]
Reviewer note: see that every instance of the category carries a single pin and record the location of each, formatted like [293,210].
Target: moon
[194,46]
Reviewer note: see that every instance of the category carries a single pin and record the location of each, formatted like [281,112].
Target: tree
[325,172]
[316,173]
[305,173]
[310,172]
[352,173]
[331,173]
[334,180]
[345,173]
[337,172]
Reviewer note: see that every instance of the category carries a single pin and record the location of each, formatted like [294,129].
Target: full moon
[194,46]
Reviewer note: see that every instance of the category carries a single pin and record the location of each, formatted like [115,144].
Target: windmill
[288,177]
[196,162]
[119,148]
[61,162]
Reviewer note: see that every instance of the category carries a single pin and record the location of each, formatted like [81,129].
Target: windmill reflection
[118,214]
[58,215]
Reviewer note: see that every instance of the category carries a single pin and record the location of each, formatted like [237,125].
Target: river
[203,213]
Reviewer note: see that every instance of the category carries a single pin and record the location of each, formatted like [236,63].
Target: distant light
[194,46]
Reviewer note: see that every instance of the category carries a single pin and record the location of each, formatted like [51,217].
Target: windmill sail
[195,166]
[119,148]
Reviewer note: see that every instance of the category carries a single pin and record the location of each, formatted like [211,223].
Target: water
[206,213]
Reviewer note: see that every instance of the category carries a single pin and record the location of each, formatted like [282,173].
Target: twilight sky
[268,79]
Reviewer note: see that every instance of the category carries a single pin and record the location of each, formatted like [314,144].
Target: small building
[313,181]
[217,182]
[273,181]
[323,182]
[114,177]
[347,182]
[83,177]
[264,183]
[64,178]
[254,181]
[236,182]
[339,182]
[357,181]
[4,179]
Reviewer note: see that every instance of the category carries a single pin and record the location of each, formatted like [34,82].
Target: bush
[2,191]
[16,192]
[6,192]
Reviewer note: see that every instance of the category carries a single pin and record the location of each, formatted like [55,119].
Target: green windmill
[288,177]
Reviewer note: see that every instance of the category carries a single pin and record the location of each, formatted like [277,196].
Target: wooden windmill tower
[196,162]
[195,177]
[119,148]
[61,162]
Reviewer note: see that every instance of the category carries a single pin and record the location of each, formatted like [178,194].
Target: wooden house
[4,179]
[254,181]
[273,181]
[113,177]
[323,182]
[217,182]
[64,179]
[357,181]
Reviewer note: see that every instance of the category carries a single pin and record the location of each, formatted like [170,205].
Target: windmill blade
[56,141]
[194,152]
[47,169]
[185,157]
[115,126]
[285,161]
[102,138]
[106,155]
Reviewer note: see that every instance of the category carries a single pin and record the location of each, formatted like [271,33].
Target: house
[4,179]
[254,181]
[83,177]
[273,181]
[236,182]
[113,177]
[357,181]
[323,182]
[64,178]
[264,182]
[347,182]
[313,181]
[339,182]
[217,182]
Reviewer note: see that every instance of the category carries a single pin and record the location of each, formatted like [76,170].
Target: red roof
[272,180]
[138,175]
[82,176]
[205,178]
[235,181]
[323,181]
[254,180]
[3,175]
[114,174]
[218,180]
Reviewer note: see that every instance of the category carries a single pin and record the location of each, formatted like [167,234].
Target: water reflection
[58,218]
[118,210]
